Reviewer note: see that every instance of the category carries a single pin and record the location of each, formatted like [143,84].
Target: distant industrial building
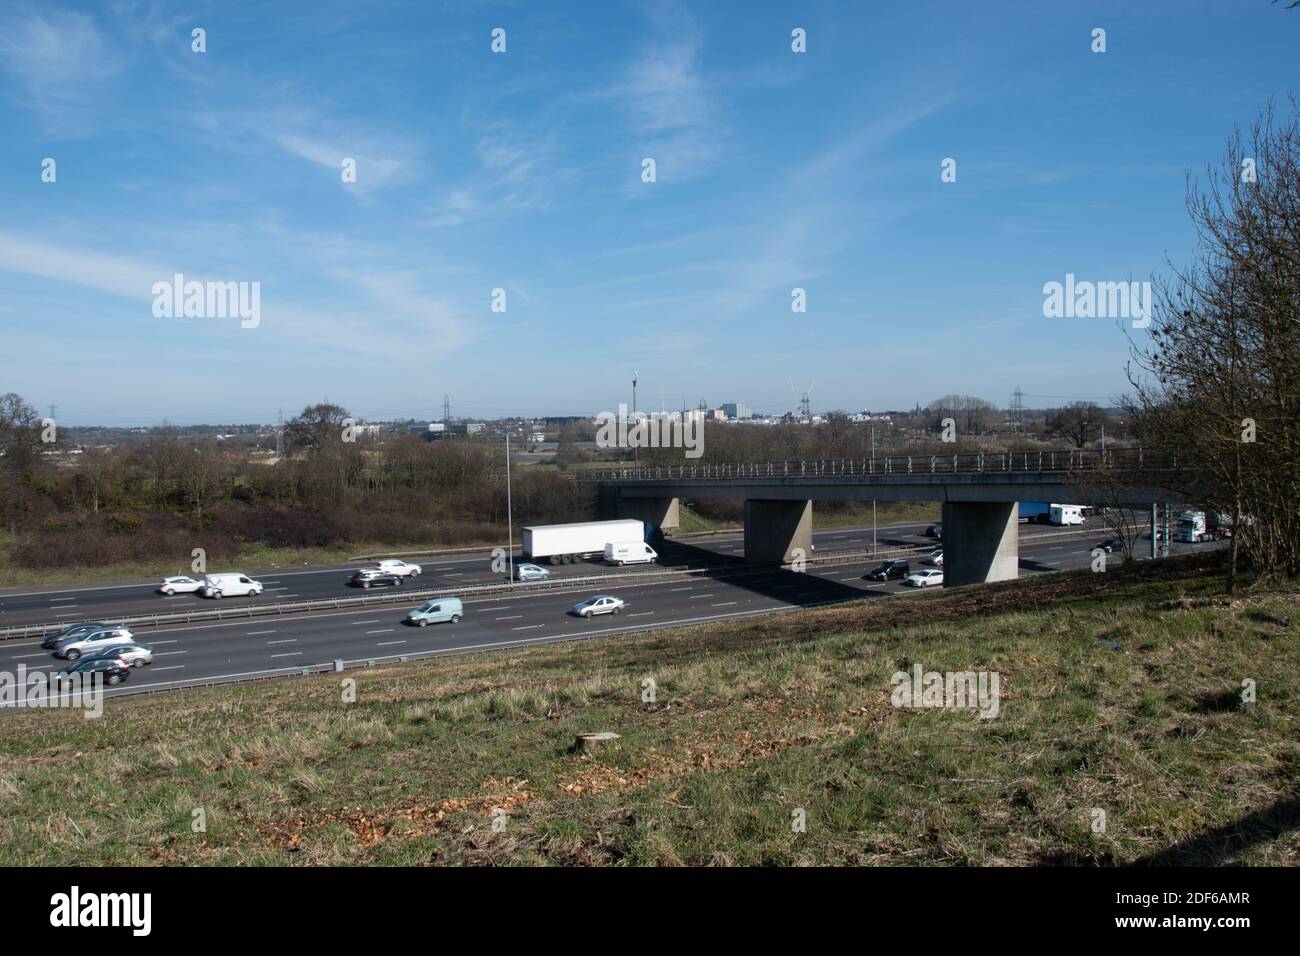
[436,430]
[736,410]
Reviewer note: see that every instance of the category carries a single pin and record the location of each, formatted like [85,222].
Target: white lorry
[1196,526]
[567,543]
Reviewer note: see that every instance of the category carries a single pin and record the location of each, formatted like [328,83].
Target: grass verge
[1119,692]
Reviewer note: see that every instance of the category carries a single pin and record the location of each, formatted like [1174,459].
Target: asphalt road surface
[283,645]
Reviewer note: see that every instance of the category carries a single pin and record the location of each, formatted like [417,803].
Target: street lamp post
[510,524]
[873,500]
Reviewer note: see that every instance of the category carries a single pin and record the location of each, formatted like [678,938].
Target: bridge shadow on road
[778,584]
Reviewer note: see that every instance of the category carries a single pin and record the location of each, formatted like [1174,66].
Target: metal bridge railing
[1072,461]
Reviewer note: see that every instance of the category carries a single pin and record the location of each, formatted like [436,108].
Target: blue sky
[522,171]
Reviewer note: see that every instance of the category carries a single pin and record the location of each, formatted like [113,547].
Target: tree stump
[584,743]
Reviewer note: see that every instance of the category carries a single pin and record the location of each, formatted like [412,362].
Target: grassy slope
[753,720]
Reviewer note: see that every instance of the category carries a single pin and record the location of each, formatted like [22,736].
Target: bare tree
[1219,378]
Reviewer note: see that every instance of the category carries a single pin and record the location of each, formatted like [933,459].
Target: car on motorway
[600,604]
[135,655]
[375,578]
[230,584]
[1111,544]
[935,558]
[889,569]
[436,611]
[934,531]
[531,572]
[115,670]
[400,568]
[52,639]
[181,584]
[927,577]
[87,642]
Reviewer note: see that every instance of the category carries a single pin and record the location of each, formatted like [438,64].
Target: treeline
[168,495]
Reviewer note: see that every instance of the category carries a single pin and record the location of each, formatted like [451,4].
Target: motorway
[68,605]
[185,655]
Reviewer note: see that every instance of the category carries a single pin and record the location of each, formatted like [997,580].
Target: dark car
[370,578]
[71,630]
[934,531]
[889,569]
[114,669]
[1111,544]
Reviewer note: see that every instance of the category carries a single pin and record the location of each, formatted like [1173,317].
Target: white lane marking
[386,643]
[256,633]
[640,613]
[284,640]
[527,627]
[19,657]
[294,654]
[724,604]
[384,630]
[694,596]
[374,621]
[510,617]
[169,653]
[170,667]
[681,589]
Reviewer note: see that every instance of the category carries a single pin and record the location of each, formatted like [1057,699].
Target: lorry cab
[629,552]
[436,611]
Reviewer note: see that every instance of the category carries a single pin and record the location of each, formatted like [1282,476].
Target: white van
[629,552]
[230,585]
[1067,514]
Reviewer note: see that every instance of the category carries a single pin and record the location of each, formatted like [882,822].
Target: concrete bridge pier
[774,529]
[664,513]
[981,542]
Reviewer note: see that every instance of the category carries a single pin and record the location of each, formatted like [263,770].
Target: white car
[179,585]
[600,604]
[935,557]
[400,568]
[924,579]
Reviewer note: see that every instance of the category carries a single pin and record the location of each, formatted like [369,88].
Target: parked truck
[567,543]
[1035,512]
[1203,526]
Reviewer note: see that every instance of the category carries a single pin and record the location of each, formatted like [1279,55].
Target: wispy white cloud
[61,62]
[674,114]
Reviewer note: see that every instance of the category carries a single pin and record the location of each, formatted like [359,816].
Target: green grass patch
[752,724]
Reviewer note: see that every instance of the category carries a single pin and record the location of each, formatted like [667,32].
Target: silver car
[88,642]
[137,655]
[600,604]
[531,572]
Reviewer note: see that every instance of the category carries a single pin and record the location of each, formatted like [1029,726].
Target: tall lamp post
[510,523]
[873,500]
[636,451]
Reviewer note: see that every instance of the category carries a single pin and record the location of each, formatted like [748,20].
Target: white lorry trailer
[1202,526]
[567,543]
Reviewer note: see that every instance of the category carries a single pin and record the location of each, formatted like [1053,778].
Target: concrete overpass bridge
[979,493]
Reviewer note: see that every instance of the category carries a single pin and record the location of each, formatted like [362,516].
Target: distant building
[736,410]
